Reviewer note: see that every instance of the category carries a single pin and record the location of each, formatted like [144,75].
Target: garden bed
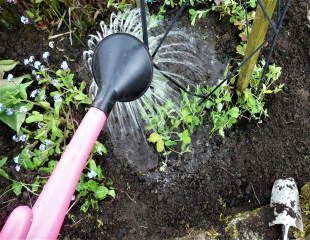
[219,176]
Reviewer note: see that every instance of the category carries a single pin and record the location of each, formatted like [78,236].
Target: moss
[212,234]
[305,210]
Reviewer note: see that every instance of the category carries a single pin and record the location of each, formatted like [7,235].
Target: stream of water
[182,57]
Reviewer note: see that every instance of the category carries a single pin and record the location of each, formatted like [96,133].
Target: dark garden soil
[239,169]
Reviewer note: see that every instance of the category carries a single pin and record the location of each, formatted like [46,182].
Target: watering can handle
[51,207]
[18,224]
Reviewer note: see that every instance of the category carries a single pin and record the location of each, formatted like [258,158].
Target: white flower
[57,98]
[26,61]
[64,65]
[15,138]
[51,44]
[38,77]
[34,93]
[17,168]
[10,77]
[91,174]
[45,55]
[55,82]
[24,20]
[48,142]
[40,125]
[34,72]
[16,159]
[10,1]
[37,65]
[23,138]
[31,59]
[1,107]
[73,198]
[23,109]
[42,147]
[9,112]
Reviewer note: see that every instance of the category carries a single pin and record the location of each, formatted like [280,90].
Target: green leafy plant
[224,112]
[171,128]
[48,123]
[13,96]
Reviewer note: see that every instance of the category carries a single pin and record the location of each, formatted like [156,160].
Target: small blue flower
[57,98]
[9,112]
[42,147]
[1,107]
[31,59]
[16,159]
[37,65]
[45,55]
[38,77]
[23,138]
[17,168]
[34,93]
[10,1]
[23,109]
[26,61]
[24,20]
[15,138]
[48,142]
[10,77]
[64,65]
[34,72]
[91,174]
[51,44]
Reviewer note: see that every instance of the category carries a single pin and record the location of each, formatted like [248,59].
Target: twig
[70,26]
[131,199]
[72,205]
[60,35]
[255,194]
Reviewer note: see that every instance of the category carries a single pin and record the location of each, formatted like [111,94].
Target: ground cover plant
[39,107]
[217,156]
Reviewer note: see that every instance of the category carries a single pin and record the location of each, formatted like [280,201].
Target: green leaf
[16,120]
[4,174]
[101,192]
[154,137]
[234,112]
[160,146]
[17,188]
[112,193]
[3,161]
[7,65]
[85,206]
[91,185]
[209,104]
[57,106]
[45,105]
[185,137]
[35,117]
[100,148]
[170,143]
[23,87]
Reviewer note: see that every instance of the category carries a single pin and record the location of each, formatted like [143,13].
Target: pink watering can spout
[123,70]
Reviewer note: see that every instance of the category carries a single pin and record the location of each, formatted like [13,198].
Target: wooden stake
[256,38]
